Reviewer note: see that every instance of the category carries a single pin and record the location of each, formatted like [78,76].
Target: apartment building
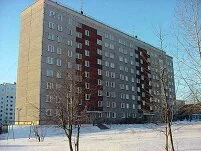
[124,69]
[7,103]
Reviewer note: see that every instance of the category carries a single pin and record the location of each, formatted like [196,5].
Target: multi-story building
[7,103]
[126,70]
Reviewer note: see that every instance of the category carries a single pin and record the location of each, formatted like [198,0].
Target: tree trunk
[78,137]
[171,137]
[70,143]
[166,137]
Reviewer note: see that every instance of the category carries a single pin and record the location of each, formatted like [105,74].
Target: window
[59,39]
[107,73]
[58,62]
[131,54]
[112,84]
[121,86]
[127,96]
[70,32]
[86,32]
[111,37]
[122,105]
[58,74]
[87,85]
[125,52]
[87,63]
[48,112]
[132,70]
[87,96]
[112,65]
[87,42]
[107,94]
[99,72]
[99,42]
[123,115]
[49,60]
[138,98]
[99,61]
[121,76]
[69,65]
[79,56]
[133,88]
[107,104]
[133,97]
[126,78]
[58,50]
[113,115]
[108,114]
[126,69]
[107,83]
[121,68]
[120,58]
[100,92]
[50,36]
[111,55]
[139,106]
[132,62]
[106,63]
[49,85]
[106,44]
[127,106]
[52,14]
[113,94]
[87,74]
[127,88]
[100,103]
[70,42]
[125,60]
[107,54]
[59,17]
[50,73]
[51,25]
[70,54]
[79,45]
[112,75]
[106,35]
[87,53]
[69,21]
[99,51]
[111,46]
[121,50]
[79,67]
[79,35]
[50,48]
[99,82]
[59,28]
[114,105]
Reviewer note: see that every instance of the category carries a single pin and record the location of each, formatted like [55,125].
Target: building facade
[7,103]
[124,69]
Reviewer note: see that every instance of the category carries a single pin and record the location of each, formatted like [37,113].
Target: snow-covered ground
[138,137]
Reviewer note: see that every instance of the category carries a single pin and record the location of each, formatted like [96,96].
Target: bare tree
[164,106]
[68,103]
[188,39]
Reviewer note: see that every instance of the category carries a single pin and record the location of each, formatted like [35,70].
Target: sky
[136,17]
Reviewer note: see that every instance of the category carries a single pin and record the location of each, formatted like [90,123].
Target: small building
[7,103]
[190,112]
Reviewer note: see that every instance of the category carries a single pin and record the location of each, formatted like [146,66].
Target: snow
[137,137]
